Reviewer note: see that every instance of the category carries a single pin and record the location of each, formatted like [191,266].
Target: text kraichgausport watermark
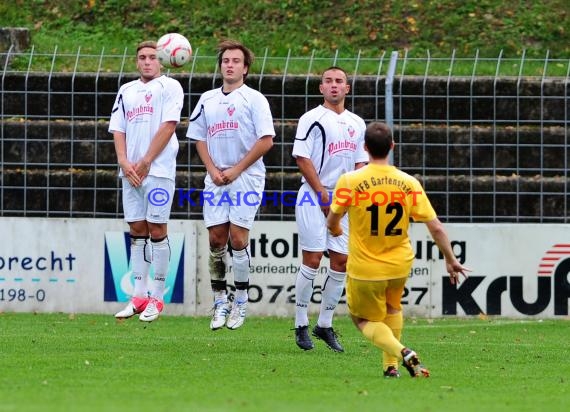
[344,197]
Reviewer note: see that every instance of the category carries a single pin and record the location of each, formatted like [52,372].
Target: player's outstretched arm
[439,235]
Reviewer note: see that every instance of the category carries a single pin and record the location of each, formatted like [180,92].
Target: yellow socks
[394,321]
[382,337]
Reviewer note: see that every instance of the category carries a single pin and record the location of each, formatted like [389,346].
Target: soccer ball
[173,50]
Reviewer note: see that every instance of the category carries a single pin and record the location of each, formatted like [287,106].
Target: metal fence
[488,137]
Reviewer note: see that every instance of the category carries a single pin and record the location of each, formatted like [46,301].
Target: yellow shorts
[367,299]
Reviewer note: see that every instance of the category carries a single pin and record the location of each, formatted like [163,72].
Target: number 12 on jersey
[395,209]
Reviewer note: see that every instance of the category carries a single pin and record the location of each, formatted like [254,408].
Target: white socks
[140,265]
[240,263]
[331,294]
[303,293]
[160,261]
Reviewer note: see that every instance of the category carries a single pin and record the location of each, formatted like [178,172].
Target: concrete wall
[507,100]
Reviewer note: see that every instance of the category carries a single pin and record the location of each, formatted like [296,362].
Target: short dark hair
[147,43]
[334,68]
[248,56]
[378,139]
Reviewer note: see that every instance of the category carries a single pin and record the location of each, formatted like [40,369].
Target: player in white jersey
[233,129]
[329,142]
[143,123]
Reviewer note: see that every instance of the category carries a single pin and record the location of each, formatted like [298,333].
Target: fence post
[389,97]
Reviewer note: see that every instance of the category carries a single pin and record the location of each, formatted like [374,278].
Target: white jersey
[139,110]
[231,124]
[334,142]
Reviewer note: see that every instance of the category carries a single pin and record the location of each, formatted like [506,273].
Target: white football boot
[237,315]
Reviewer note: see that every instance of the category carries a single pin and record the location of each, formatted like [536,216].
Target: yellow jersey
[380,200]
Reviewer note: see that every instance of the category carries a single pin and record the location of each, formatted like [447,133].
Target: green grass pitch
[61,362]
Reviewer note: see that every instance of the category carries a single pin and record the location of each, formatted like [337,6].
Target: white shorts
[312,225]
[151,201]
[236,203]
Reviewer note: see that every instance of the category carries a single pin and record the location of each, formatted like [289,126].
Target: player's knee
[157,231]
[238,242]
[312,260]
[338,261]
[218,236]
[217,243]
[138,229]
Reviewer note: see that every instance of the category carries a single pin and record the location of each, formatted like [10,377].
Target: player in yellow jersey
[380,200]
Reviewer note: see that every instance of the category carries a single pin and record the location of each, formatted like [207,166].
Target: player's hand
[131,174]
[142,168]
[455,269]
[336,231]
[230,174]
[218,177]
[324,202]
